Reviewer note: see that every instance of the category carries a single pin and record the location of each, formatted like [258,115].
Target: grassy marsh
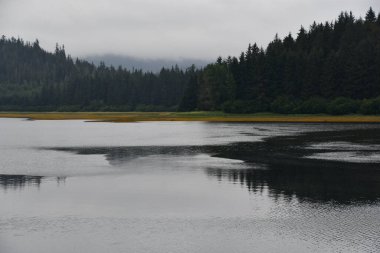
[189,116]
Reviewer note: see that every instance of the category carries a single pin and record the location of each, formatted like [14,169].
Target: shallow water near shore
[75,186]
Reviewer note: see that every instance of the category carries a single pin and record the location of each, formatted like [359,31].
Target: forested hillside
[33,79]
[332,67]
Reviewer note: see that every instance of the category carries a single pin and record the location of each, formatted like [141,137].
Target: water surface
[74,186]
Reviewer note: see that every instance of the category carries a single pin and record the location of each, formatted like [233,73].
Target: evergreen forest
[331,67]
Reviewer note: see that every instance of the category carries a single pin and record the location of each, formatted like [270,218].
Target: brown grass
[191,116]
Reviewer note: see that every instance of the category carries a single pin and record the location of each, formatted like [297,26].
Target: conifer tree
[370,16]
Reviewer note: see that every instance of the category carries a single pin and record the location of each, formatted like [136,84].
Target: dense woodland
[332,67]
[33,79]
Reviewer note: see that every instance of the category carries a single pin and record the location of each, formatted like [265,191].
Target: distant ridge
[147,65]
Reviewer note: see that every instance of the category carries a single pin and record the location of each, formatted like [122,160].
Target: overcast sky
[202,29]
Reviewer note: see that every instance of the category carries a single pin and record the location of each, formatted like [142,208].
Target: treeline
[34,79]
[330,68]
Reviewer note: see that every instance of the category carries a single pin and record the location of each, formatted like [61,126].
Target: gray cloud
[165,28]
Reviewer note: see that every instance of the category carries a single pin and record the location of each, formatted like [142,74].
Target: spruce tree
[370,16]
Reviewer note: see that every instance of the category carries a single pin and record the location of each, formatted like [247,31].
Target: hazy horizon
[165,29]
[145,64]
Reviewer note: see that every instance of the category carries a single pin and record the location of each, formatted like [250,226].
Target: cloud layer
[165,28]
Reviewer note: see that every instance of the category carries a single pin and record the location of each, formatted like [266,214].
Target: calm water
[73,186]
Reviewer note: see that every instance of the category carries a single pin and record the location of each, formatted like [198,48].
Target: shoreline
[191,116]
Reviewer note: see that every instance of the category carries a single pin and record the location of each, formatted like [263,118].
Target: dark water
[72,186]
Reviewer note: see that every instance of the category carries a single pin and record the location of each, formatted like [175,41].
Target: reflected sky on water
[70,186]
